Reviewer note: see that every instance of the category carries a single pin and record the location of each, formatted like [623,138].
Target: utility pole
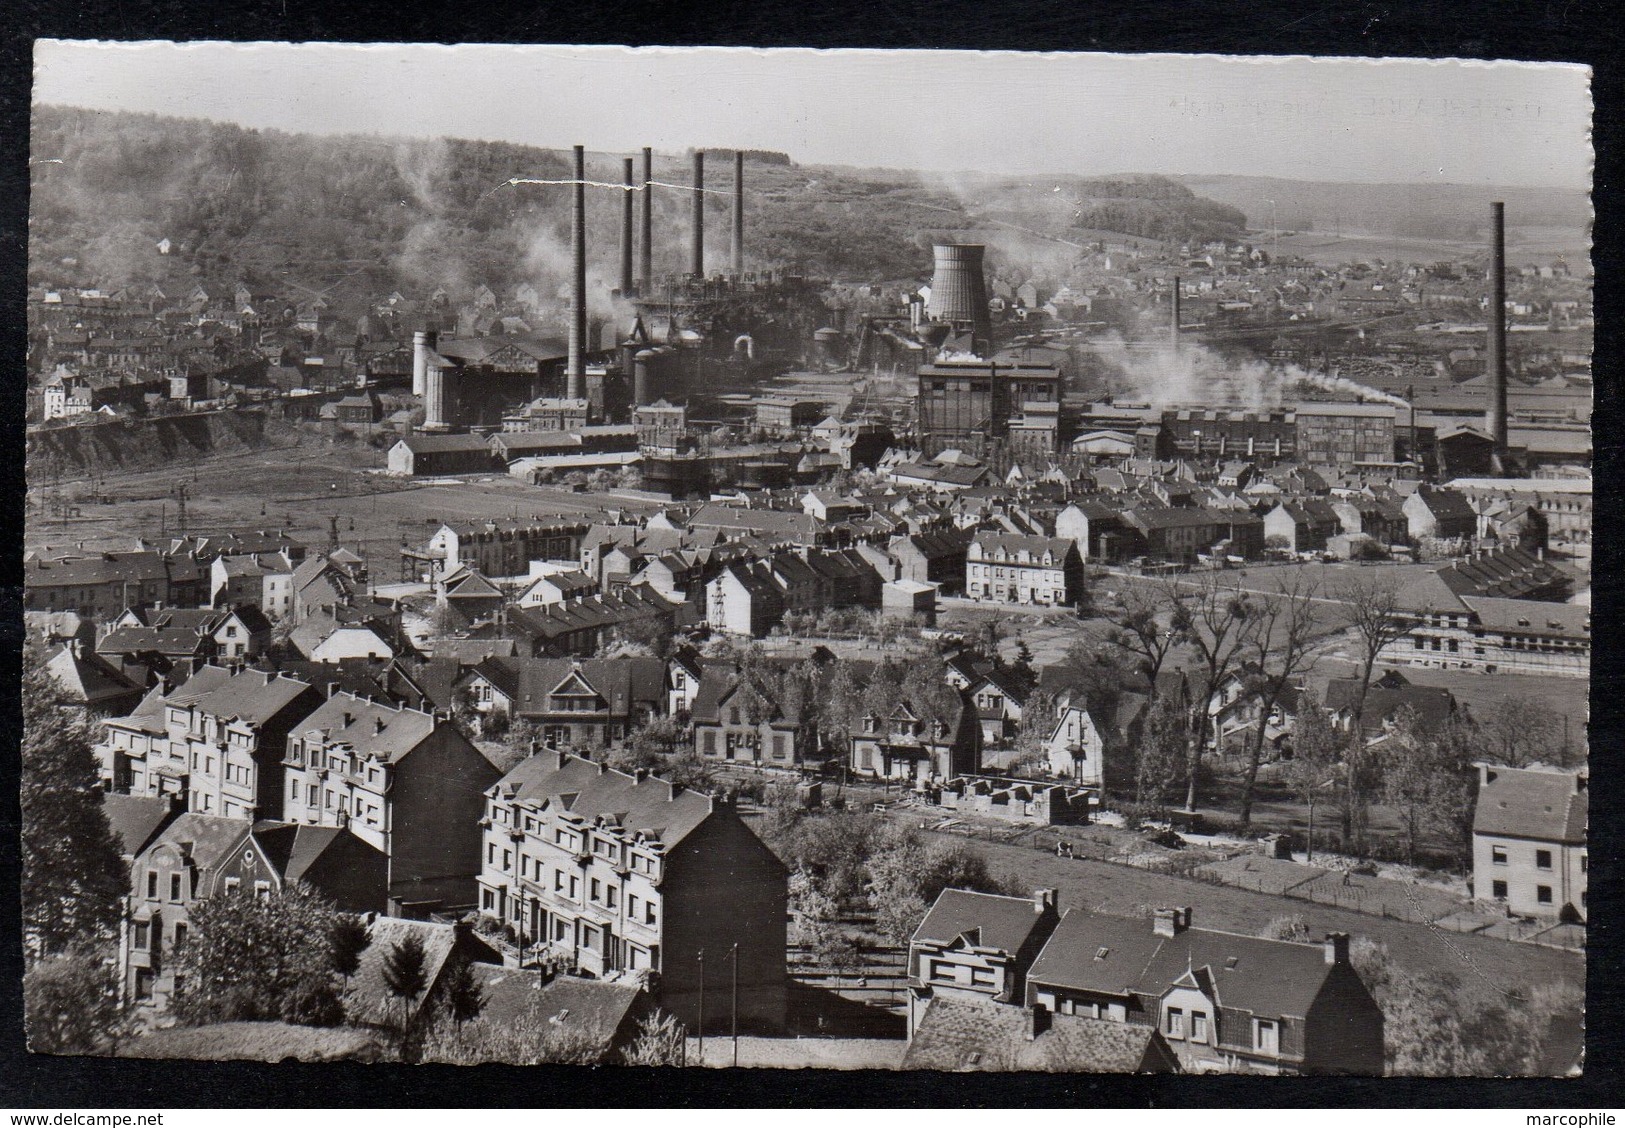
[735,1023]
[700,957]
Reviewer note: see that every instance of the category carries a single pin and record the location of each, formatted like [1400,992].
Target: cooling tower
[959,291]
[423,342]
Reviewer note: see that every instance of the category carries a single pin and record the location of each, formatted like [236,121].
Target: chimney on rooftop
[1044,899]
[377,725]
[1337,948]
[576,365]
[561,756]
[1171,922]
[673,790]
[1038,1021]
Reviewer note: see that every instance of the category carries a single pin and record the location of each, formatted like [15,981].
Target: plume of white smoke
[1163,376]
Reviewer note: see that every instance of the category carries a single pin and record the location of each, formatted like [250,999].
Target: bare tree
[1219,623]
[1142,626]
[1281,644]
[1371,608]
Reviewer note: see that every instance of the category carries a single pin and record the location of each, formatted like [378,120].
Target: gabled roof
[251,695]
[400,731]
[1248,973]
[1002,923]
[588,790]
[623,683]
[597,1010]
[206,839]
[1523,803]
[293,848]
[1094,952]
[961,1034]
[136,819]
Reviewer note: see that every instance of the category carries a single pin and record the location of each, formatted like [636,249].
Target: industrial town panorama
[711,604]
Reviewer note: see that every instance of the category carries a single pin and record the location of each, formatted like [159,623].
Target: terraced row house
[619,875]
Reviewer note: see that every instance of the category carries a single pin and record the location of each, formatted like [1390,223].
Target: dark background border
[1582,31]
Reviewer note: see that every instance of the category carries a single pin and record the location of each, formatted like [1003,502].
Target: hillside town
[1175,664]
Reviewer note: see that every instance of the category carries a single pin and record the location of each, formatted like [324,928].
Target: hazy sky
[1313,119]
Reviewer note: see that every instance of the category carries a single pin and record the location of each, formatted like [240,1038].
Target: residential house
[180,867]
[408,782]
[1301,526]
[744,599]
[582,703]
[237,634]
[932,557]
[1098,529]
[1388,695]
[1010,568]
[548,588]
[97,585]
[977,947]
[622,875]
[1000,694]
[962,1035]
[369,1000]
[1529,840]
[1225,1002]
[262,580]
[739,721]
[89,681]
[1439,514]
[920,742]
[1074,748]
[224,733]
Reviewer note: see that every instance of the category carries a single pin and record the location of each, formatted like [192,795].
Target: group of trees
[73,875]
[847,863]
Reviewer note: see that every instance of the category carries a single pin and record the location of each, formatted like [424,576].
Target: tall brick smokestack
[646,251]
[1175,317]
[696,259]
[739,212]
[626,228]
[1495,350]
[576,369]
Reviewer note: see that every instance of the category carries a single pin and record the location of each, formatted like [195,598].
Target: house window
[143,984]
[1176,1022]
[232,885]
[1543,859]
[1498,890]
[262,890]
[143,935]
[1266,1037]
[487,900]
[1198,1026]
[648,912]
[1582,863]
[1543,894]
[310,795]
[175,887]
[152,885]
[180,934]
[1498,855]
